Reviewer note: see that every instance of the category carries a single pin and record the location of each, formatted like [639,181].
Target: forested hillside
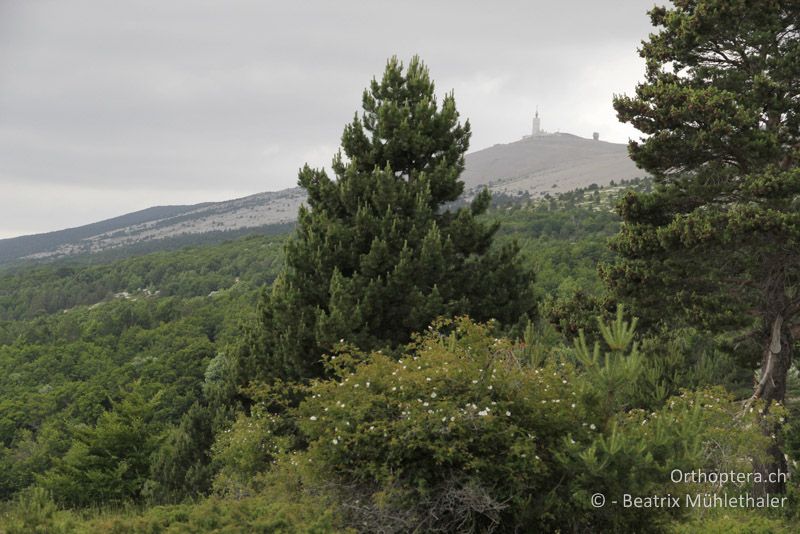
[109,372]
[78,340]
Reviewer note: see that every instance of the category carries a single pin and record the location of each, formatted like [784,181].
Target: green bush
[110,462]
[34,512]
[457,434]
[733,522]
[464,433]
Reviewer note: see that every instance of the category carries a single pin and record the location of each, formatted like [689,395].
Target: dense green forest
[110,417]
[412,359]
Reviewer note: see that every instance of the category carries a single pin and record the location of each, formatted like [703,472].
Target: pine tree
[110,462]
[377,255]
[718,241]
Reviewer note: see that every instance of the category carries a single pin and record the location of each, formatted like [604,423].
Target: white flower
[313,417]
[572,405]
[335,441]
[474,381]
[508,414]
[433,395]
[592,427]
[483,413]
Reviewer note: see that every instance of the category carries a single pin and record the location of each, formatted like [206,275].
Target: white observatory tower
[536,130]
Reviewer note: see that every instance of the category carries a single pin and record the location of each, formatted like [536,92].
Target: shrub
[458,434]
[33,512]
[465,433]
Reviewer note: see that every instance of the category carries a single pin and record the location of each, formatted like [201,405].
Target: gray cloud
[108,107]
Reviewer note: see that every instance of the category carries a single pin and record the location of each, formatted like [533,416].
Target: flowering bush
[459,426]
[463,432]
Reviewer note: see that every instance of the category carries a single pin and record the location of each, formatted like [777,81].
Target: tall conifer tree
[377,255]
[718,242]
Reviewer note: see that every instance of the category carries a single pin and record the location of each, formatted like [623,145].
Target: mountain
[552,163]
[537,165]
[162,227]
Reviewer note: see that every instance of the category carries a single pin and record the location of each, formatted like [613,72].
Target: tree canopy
[377,255]
[717,241]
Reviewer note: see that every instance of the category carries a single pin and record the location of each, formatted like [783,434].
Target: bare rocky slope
[537,165]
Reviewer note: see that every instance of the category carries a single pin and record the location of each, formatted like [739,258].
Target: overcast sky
[108,107]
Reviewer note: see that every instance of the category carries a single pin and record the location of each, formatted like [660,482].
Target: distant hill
[162,227]
[19,247]
[537,165]
[548,163]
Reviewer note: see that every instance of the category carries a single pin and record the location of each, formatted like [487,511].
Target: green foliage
[466,431]
[266,513]
[248,447]
[614,374]
[110,462]
[376,255]
[65,378]
[60,371]
[696,430]
[689,358]
[716,243]
[195,271]
[34,512]
[423,434]
[284,509]
[733,522]
[564,237]
[182,464]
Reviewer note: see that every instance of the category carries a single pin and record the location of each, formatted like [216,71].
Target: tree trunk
[775,366]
